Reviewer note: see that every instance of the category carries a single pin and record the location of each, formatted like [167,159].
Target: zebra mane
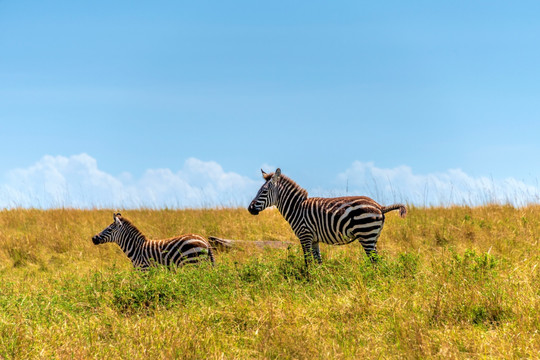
[132,229]
[291,185]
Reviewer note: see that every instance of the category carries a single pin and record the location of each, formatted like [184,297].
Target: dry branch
[227,244]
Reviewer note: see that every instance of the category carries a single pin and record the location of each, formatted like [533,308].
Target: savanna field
[454,282]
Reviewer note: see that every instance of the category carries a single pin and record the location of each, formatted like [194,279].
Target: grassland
[452,283]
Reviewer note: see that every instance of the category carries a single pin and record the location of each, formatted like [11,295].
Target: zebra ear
[277,174]
[265,176]
[117,217]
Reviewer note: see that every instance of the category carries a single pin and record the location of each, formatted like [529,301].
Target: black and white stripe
[142,252]
[335,221]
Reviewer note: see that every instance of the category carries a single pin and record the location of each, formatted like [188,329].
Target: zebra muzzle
[253,210]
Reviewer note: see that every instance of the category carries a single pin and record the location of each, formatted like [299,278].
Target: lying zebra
[142,252]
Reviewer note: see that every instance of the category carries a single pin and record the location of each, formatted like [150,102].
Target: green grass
[451,283]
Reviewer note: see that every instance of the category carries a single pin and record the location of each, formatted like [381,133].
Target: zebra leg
[143,267]
[141,264]
[373,255]
[370,247]
[211,256]
[316,252]
[307,248]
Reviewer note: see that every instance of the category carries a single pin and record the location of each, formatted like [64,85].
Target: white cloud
[453,186]
[76,181]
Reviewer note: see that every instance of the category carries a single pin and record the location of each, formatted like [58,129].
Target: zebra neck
[291,196]
[130,242]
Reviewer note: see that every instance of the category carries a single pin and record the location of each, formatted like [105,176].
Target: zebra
[143,252]
[335,221]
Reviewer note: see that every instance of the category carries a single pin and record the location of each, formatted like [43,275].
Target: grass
[451,283]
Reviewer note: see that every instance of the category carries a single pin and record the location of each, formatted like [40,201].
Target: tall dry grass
[452,283]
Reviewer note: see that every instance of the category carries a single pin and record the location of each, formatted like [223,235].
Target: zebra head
[110,233]
[268,193]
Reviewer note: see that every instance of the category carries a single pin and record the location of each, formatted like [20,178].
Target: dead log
[228,244]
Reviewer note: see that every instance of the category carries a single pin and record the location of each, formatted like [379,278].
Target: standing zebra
[142,252]
[335,221]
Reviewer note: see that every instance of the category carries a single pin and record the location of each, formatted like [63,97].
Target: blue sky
[367,97]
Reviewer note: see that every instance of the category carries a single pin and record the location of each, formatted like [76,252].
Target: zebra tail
[401,207]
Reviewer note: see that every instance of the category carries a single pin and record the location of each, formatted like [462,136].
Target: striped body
[335,221]
[142,252]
